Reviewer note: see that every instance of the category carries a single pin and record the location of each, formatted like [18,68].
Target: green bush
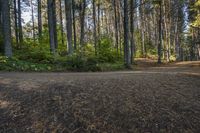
[78,63]
[13,64]
[35,54]
[106,51]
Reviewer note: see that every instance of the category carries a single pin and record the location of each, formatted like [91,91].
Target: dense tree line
[166,29]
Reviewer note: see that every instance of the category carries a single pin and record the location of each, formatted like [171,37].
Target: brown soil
[148,100]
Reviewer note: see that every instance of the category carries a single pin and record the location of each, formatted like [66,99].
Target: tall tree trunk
[33,21]
[176,39]
[68,10]
[94,22]
[39,19]
[61,22]
[1,17]
[6,27]
[126,35]
[74,24]
[120,21]
[82,22]
[20,23]
[16,24]
[160,35]
[55,24]
[1,28]
[98,23]
[52,25]
[142,27]
[116,26]
[132,30]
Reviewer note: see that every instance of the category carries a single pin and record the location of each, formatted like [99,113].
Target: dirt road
[149,100]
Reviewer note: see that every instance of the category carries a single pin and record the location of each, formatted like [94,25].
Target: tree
[61,22]
[16,23]
[94,22]
[132,30]
[1,27]
[39,19]
[68,10]
[20,23]
[52,25]
[126,35]
[116,26]
[74,23]
[33,19]
[5,11]
[82,22]
[160,34]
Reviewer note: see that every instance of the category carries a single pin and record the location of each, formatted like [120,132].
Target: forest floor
[150,99]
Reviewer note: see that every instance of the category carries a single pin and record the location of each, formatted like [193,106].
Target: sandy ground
[148,100]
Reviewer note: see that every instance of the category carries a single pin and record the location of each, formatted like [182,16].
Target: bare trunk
[116,26]
[132,30]
[74,24]
[68,10]
[6,28]
[20,23]
[126,35]
[160,35]
[61,22]
[39,20]
[51,24]
[16,24]
[82,22]
[33,21]
[94,22]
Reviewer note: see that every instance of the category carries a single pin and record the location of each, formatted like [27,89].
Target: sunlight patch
[4,104]
[5,81]
[27,86]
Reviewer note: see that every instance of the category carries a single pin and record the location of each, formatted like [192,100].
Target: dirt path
[149,100]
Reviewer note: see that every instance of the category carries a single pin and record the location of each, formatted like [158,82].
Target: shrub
[35,54]
[106,51]
[13,64]
[78,63]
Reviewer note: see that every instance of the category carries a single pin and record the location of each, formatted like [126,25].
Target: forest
[99,66]
[92,34]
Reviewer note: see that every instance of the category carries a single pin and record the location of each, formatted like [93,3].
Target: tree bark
[82,22]
[61,22]
[39,19]
[126,35]
[132,31]
[68,10]
[33,21]
[6,28]
[160,35]
[52,25]
[116,26]
[16,24]
[1,28]
[94,22]
[20,23]
[74,24]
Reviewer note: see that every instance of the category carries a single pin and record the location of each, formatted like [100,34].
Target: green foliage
[172,58]
[13,64]
[106,52]
[111,66]
[78,63]
[33,52]
[151,49]
[196,7]
[36,56]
